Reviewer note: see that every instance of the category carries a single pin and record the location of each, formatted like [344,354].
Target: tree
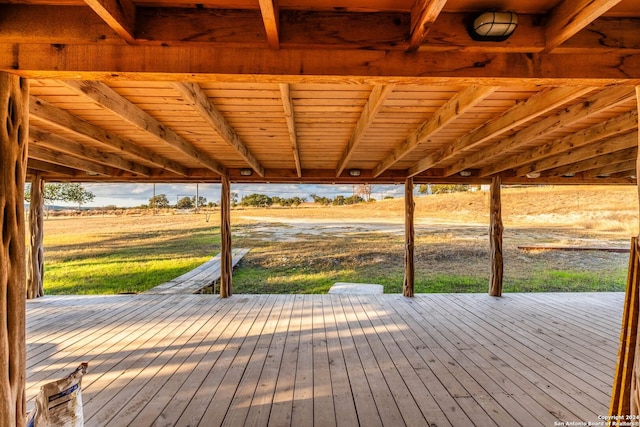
[159,201]
[234,199]
[258,200]
[185,203]
[202,201]
[77,194]
[364,190]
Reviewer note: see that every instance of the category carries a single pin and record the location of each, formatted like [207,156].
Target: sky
[131,195]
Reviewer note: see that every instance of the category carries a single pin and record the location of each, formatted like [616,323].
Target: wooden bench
[198,278]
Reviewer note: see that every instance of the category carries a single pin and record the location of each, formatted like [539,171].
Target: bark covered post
[35,255]
[225,239]
[409,231]
[495,235]
[14,125]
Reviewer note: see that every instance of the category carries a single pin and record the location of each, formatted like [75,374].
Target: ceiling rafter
[614,168]
[423,15]
[59,158]
[197,98]
[609,128]
[573,160]
[624,151]
[450,111]
[571,16]
[40,165]
[271,18]
[64,120]
[119,105]
[374,104]
[289,114]
[120,15]
[534,106]
[52,141]
[607,98]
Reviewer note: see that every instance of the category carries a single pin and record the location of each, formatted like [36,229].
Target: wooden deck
[323,360]
[200,277]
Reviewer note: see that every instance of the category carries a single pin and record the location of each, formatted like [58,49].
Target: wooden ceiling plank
[52,141]
[374,104]
[271,18]
[423,15]
[43,166]
[575,159]
[605,99]
[63,159]
[615,168]
[538,104]
[120,15]
[198,99]
[114,102]
[616,125]
[289,114]
[451,110]
[571,16]
[62,119]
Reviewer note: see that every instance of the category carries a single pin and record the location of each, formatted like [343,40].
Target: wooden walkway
[325,360]
[198,278]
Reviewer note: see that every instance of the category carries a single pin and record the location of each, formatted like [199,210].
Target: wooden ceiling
[311,91]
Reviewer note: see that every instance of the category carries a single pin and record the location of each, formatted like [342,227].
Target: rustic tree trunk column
[409,231]
[225,241]
[14,125]
[35,256]
[495,231]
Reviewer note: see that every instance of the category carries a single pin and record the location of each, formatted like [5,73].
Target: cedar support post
[495,236]
[14,125]
[35,256]
[225,238]
[409,231]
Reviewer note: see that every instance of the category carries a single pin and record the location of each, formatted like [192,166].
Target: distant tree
[234,199]
[424,189]
[388,197]
[77,194]
[159,201]
[339,200]
[257,200]
[185,203]
[321,200]
[449,188]
[202,201]
[364,190]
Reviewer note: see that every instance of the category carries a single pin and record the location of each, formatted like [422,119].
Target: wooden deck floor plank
[262,402]
[534,368]
[324,413]
[168,404]
[226,390]
[157,391]
[536,339]
[282,407]
[243,397]
[216,368]
[302,405]
[409,409]
[343,400]
[365,406]
[143,364]
[382,395]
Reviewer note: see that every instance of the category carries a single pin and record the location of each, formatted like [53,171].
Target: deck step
[345,288]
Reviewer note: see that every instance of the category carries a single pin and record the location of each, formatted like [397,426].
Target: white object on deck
[356,289]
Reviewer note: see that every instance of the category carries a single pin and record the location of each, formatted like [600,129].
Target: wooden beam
[615,168]
[119,105]
[409,236]
[289,114]
[64,120]
[495,236]
[450,111]
[607,129]
[38,165]
[538,104]
[59,158]
[603,100]
[374,104]
[271,18]
[226,266]
[48,140]
[14,131]
[106,62]
[120,15]
[35,255]
[423,15]
[580,158]
[195,96]
[571,16]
